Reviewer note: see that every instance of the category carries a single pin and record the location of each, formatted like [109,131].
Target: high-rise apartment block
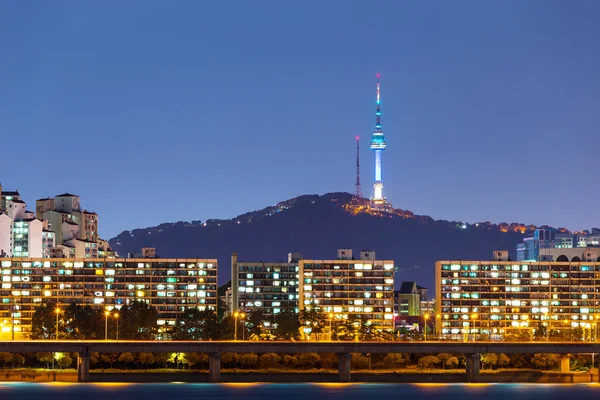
[169,285]
[502,299]
[268,287]
[342,287]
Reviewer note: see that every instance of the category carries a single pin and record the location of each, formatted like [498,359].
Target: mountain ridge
[317,225]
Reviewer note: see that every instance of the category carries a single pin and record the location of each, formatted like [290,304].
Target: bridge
[214,349]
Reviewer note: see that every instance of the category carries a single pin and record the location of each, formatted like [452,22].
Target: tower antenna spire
[358,189]
[378,144]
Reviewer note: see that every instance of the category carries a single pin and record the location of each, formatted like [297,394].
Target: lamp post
[57,311]
[242,317]
[330,330]
[117,318]
[474,317]
[426,318]
[106,314]
[235,317]
[438,327]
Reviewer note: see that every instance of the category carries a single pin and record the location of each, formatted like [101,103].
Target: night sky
[165,111]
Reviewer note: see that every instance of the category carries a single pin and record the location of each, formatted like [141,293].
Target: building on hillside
[539,246]
[21,234]
[169,285]
[505,299]
[349,287]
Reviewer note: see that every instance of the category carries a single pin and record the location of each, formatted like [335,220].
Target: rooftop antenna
[358,190]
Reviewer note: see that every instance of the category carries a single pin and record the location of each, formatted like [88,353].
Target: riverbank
[320,376]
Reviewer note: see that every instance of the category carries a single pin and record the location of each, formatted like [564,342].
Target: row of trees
[303,361]
[138,321]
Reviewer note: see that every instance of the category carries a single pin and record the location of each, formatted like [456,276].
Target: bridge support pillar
[214,367]
[344,363]
[565,363]
[473,365]
[83,367]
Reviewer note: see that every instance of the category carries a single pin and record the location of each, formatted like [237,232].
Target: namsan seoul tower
[378,145]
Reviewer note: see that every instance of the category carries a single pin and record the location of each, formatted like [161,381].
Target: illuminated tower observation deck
[378,145]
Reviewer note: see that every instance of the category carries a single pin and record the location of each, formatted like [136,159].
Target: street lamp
[117,318]
[426,318]
[57,311]
[243,316]
[474,317]
[330,330]
[106,314]
[237,315]
[438,326]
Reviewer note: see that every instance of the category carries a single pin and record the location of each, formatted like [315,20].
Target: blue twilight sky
[165,111]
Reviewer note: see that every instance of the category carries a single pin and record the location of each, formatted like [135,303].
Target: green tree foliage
[43,322]
[230,360]
[541,332]
[138,321]
[227,328]
[287,325]
[83,322]
[65,362]
[249,360]
[503,360]
[255,325]
[545,361]
[290,361]
[17,360]
[126,358]
[355,327]
[443,357]
[428,362]
[308,360]
[109,358]
[489,359]
[161,359]
[194,324]
[5,358]
[359,361]
[451,362]
[269,360]
[45,357]
[393,360]
[314,319]
[146,359]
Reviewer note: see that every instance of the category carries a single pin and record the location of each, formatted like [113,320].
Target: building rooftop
[408,287]
[70,223]
[67,195]
[10,193]
[18,201]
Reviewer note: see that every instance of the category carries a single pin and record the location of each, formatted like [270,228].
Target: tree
[443,357]
[227,328]
[287,325]
[45,357]
[65,361]
[540,332]
[503,360]
[451,362]
[268,360]
[17,359]
[109,358]
[359,361]
[146,359]
[308,360]
[249,360]
[43,321]
[196,358]
[290,361]
[255,324]
[428,362]
[195,324]
[490,359]
[545,361]
[83,322]
[126,358]
[393,360]
[138,321]
[162,359]
[5,358]
[314,319]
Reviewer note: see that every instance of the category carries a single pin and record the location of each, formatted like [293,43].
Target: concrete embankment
[294,377]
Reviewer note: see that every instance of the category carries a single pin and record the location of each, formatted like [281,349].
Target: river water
[307,391]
